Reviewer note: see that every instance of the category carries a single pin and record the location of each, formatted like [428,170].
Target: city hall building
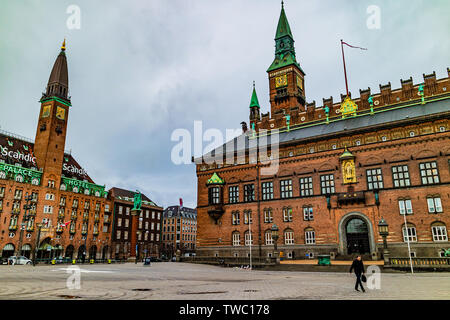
[49,206]
[343,166]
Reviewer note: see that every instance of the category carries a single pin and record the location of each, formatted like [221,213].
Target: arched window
[35,181]
[247,216]
[248,238]
[19,178]
[439,231]
[287,214]
[409,233]
[268,237]
[288,236]
[75,189]
[236,239]
[310,236]
[2,175]
[63,187]
[235,218]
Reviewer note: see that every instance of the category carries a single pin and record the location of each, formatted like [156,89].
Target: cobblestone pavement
[180,281]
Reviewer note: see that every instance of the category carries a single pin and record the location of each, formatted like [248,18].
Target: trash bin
[147,261]
[324,260]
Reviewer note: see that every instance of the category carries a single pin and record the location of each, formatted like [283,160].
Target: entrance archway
[8,250]
[357,234]
[93,252]
[105,252]
[69,251]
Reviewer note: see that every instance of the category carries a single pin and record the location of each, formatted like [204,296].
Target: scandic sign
[29,158]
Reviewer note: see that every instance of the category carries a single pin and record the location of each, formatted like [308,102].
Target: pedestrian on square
[358,268]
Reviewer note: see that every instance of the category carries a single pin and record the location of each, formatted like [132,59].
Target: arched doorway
[45,249]
[8,250]
[357,234]
[82,253]
[69,251]
[26,250]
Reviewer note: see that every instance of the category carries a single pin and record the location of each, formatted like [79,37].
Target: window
[233,194]
[308,213]
[247,217]
[213,195]
[153,214]
[249,192]
[125,235]
[405,206]
[248,238]
[306,187]
[289,237]
[310,236]
[127,223]
[429,172]
[409,234]
[286,188]
[287,214]
[374,179]
[119,222]
[49,196]
[400,176]
[439,232]
[267,190]
[48,209]
[268,217]
[268,237]
[236,239]
[327,183]
[434,205]
[127,211]
[235,218]
[120,209]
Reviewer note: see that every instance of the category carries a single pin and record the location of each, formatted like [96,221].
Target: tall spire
[254,100]
[58,82]
[284,44]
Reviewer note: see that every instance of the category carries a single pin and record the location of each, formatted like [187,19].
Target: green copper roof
[283,61]
[254,101]
[215,179]
[283,28]
[347,154]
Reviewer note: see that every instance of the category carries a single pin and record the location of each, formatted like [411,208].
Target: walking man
[358,267]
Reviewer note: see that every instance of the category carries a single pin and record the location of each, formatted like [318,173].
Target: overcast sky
[140,69]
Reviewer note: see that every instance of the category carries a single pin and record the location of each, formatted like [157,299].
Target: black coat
[357,266]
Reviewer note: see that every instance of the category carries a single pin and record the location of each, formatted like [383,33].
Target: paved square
[179,281]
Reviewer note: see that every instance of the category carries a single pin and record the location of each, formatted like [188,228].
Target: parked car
[19,260]
[155,259]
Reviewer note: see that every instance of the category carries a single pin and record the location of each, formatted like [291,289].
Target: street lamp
[274,231]
[39,225]
[383,230]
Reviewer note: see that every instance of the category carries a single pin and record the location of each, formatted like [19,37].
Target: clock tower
[52,124]
[286,77]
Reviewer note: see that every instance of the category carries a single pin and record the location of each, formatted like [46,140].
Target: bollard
[109,261]
[92,261]
[53,261]
[74,261]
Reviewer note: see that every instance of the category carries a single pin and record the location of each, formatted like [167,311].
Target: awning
[9,247]
[26,247]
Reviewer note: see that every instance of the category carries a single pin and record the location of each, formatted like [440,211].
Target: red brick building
[342,167]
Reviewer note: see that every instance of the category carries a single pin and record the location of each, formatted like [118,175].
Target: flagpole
[345,70]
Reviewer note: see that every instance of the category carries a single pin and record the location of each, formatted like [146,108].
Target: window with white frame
[310,236]
[306,186]
[249,192]
[286,188]
[287,214]
[127,222]
[434,204]
[248,238]
[247,217]
[118,235]
[235,218]
[233,194]
[429,172]
[409,233]
[267,190]
[327,183]
[400,176]
[439,232]
[236,239]
[374,179]
[268,216]
[308,213]
[268,237]
[405,206]
[289,237]
[48,209]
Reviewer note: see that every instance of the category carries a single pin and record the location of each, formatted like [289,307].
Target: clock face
[46,110]
[60,113]
[281,81]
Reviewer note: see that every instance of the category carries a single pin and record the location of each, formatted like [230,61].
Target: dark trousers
[358,281]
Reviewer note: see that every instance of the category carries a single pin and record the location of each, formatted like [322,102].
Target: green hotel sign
[79,186]
[20,174]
